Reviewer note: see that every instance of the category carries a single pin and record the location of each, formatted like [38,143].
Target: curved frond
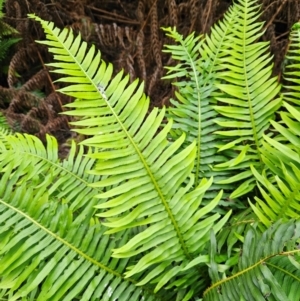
[269,267]
[47,243]
[144,171]
[249,98]
[231,236]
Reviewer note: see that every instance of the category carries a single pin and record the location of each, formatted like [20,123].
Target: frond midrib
[164,201]
[283,271]
[262,261]
[66,243]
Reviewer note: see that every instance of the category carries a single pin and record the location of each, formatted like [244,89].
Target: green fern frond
[1,8]
[269,267]
[193,111]
[249,95]
[5,44]
[281,154]
[145,170]
[69,181]
[230,237]
[47,244]
[5,29]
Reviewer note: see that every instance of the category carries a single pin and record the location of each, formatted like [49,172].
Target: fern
[281,153]
[193,111]
[138,214]
[249,96]
[147,171]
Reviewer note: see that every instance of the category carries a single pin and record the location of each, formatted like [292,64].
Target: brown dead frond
[173,20]
[140,55]
[6,96]
[22,60]
[155,41]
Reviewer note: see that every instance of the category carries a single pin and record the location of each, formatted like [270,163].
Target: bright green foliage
[140,216]
[5,30]
[4,127]
[145,169]
[44,238]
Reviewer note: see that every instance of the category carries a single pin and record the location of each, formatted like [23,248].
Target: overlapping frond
[269,267]
[193,113]
[249,97]
[49,238]
[144,171]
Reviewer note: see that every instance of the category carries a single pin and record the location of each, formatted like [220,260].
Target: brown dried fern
[155,43]
[173,19]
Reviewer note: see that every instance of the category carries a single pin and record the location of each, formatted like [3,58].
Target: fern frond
[269,267]
[46,247]
[281,154]
[145,170]
[230,237]
[193,111]
[250,95]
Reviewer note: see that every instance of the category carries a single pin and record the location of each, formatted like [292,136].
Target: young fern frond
[144,171]
[49,237]
[250,95]
[268,267]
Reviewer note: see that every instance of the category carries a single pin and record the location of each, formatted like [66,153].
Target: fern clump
[155,209]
